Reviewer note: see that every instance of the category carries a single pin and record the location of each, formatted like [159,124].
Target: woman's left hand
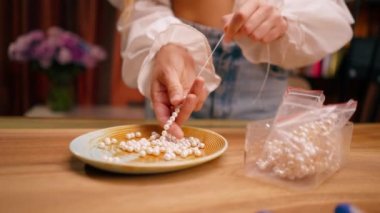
[257,20]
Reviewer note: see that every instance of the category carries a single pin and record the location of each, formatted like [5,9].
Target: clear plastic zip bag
[305,144]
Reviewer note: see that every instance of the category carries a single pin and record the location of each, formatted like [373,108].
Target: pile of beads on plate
[168,145]
[306,150]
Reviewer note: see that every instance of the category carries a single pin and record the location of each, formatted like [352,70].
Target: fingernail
[176,99]
[224,21]
[178,134]
[225,28]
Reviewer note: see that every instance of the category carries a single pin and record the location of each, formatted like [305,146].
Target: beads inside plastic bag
[304,144]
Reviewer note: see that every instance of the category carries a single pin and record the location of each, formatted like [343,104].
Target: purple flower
[55,42]
[69,39]
[56,47]
[44,50]
[36,35]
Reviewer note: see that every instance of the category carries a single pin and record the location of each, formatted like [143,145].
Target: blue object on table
[346,208]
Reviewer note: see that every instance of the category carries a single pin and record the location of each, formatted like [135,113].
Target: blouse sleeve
[315,29]
[145,27]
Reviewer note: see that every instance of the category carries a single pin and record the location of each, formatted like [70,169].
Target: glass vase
[61,97]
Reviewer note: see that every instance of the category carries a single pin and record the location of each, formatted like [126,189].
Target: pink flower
[22,44]
[12,50]
[88,61]
[45,63]
[98,53]
[64,56]
[54,31]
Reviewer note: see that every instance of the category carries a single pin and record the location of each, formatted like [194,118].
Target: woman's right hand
[173,77]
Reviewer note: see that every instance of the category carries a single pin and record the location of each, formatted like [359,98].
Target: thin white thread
[258,96]
[209,57]
[203,67]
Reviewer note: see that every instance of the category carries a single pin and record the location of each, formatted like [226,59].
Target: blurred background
[98,91]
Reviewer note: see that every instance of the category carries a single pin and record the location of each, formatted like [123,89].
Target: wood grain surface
[39,174]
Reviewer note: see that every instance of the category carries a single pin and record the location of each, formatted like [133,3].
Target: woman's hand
[256,20]
[173,77]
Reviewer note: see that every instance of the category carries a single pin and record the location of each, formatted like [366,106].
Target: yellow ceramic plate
[85,148]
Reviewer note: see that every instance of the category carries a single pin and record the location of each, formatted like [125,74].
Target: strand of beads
[171,120]
[301,151]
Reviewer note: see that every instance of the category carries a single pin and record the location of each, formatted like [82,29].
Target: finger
[176,130]
[200,91]
[160,102]
[162,112]
[274,20]
[277,31]
[240,17]
[262,30]
[257,19]
[159,93]
[174,87]
[187,108]
[227,19]
[273,34]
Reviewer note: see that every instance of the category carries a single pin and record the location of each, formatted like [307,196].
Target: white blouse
[315,28]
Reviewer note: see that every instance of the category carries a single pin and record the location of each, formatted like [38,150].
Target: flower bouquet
[59,54]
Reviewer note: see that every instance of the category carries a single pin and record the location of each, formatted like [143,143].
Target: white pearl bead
[184,154]
[156,152]
[167,156]
[201,145]
[166,127]
[137,149]
[173,155]
[113,140]
[178,151]
[130,148]
[189,151]
[142,153]
[197,153]
[138,134]
[101,145]
[107,141]
[172,118]
[149,150]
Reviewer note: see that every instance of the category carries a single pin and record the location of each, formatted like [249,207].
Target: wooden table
[38,174]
